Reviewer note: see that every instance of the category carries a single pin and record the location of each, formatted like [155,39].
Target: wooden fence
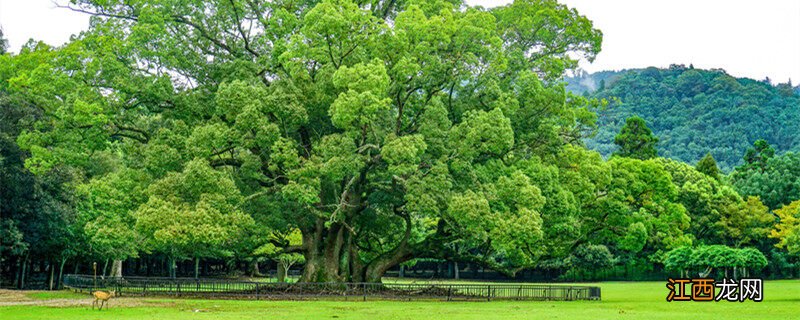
[240,289]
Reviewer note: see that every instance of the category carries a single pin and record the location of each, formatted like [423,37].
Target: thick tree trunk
[347,256]
[357,268]
[196,267]
[455,270]
[281,273]
[333,249]
[331,257]
[329,245]
[116,269]
[255,271]
[401,253]
[322,252]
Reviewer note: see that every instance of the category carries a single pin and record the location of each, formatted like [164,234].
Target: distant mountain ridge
[694,111]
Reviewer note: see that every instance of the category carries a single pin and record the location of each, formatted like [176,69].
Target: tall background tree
[708,166]
[636,140]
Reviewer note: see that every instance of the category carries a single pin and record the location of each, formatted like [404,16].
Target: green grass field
[621,300]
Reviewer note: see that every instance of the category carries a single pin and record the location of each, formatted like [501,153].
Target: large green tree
[382,131]
[105,211]
[192,214]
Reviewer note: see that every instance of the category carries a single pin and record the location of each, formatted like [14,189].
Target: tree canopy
[335,118]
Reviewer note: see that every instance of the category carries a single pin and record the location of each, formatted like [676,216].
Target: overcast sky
[755,39]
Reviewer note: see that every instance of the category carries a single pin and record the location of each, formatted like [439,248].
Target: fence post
[449,292]
[177,288]
[364,290]
[489,293]
[256,291]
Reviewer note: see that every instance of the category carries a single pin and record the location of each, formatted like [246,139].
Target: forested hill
[694,111]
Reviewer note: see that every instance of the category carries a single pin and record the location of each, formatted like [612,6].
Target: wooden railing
[225,288]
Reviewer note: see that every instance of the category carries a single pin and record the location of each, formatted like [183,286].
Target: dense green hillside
[695,111]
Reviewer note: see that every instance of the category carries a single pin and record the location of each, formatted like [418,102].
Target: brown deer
[103,297]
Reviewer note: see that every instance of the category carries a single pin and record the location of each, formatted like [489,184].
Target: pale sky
[755,39]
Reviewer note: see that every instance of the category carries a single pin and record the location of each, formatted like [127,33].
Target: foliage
[708,166]
[758,155]
[192,213]
[714,256]
[694,111]
[776,180]
[718,214]
[106,212]
[592,257]
[679,259]
[787,230]
[37,213]
[635,140]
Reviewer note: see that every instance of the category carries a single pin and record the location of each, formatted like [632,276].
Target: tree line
[347,137]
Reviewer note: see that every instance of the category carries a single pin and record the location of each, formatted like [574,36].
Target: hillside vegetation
[694,111]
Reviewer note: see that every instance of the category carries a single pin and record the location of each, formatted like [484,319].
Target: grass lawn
[52,295]
[621,300]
